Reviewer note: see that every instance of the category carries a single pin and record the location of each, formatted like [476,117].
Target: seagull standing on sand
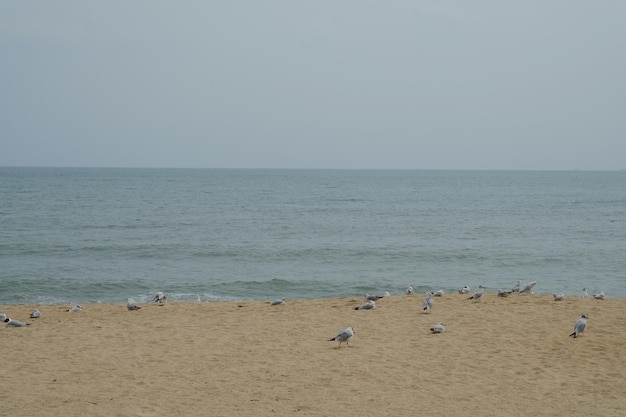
[580,326]
[465,290]
[75,309]
[599,296]
[478,292]
[427,305]
[369,305]
[278,302]
[14,323]
[559,297]
[35,314]
[585,293]
[410,290]
[437,328]
[438,293]
[159,297]
[517,286]
[528,288]
[344,335]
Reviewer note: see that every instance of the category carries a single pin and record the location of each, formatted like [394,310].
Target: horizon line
[312,168]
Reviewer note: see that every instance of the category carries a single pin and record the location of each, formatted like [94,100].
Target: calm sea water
[103,235]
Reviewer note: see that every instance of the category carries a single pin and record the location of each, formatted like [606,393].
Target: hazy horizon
[480,85]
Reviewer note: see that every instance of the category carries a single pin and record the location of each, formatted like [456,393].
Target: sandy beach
[497,357]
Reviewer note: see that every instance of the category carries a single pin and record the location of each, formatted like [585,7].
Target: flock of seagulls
[346,334]
[427,305]
[36,313]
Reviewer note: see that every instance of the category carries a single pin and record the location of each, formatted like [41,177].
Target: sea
[102,235]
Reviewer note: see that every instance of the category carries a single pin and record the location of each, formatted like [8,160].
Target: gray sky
[314,84]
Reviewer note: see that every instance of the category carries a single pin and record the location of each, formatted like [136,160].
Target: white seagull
[75,309]
[585,293]
[3,315]
[369,305]
[159,297]
[437,328]
[14,323]
[465,290]
[438,293]
[132,305]
[559,297]
[427,305]
[373,297]
[344,335]
[503,293]
[278,302]
[477,293]
[517,286]
[410,290]
[599,296]
[528,288]
[35,314]
[580,326]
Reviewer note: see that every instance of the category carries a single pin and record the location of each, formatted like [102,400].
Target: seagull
[373,297]
[465,290]
[477,293]
[14,323]
[409,290]
[132,305]
[599,296]
[585,293]
[369,305]
[438,293]
[344,335]
[503,293]
[35,314]
[278,302]
[3,315]
[517,285]
[528,287]
[559,297]
[580,326]
[159,297]
[198,298]
[437,328]
[75,309]
[427,305]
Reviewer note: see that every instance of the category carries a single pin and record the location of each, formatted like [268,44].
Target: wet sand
[498,357]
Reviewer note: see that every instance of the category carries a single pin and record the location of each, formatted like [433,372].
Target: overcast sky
[314,84]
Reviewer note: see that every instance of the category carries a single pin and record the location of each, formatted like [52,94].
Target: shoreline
[417,294]
[500,356]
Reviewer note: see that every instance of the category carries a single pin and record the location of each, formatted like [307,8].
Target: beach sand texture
[497,357]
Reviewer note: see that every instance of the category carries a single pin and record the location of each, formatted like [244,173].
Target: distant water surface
[72,235]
